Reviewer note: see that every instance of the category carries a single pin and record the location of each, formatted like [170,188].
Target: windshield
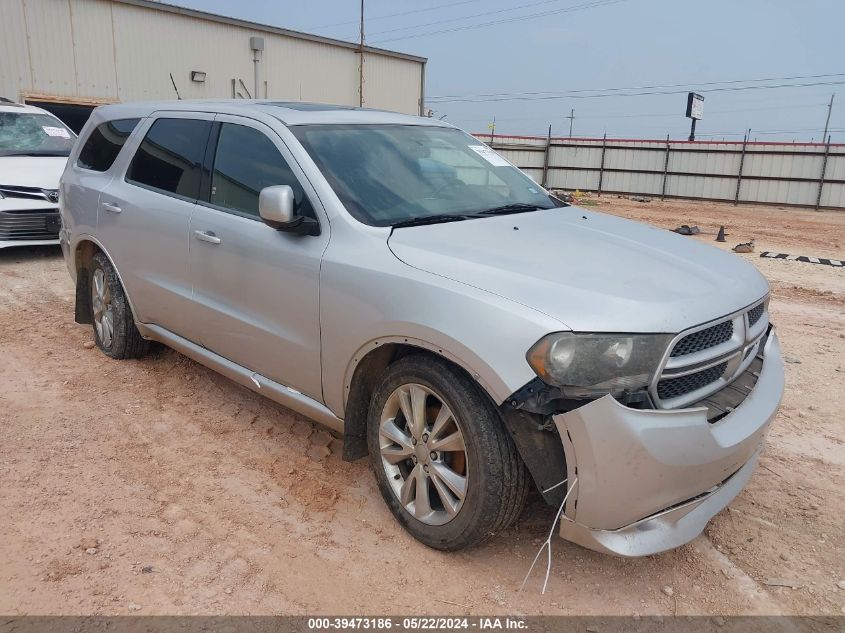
[387,174]
[33,134]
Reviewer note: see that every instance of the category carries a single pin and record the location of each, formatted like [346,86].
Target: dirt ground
[159,487]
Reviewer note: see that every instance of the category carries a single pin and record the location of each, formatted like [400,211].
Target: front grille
[728,346]
[754,314]
[704,339]
[724,401]
[30,224]
[673,387]
[31,193]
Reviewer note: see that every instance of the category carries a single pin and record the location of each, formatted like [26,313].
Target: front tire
[444,463]
[114,328]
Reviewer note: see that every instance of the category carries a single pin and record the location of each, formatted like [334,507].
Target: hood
[591,271]
[32,171]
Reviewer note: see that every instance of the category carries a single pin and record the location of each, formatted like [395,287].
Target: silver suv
[398,281]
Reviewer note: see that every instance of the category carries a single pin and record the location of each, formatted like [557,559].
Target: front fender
[437,343]
[366,302]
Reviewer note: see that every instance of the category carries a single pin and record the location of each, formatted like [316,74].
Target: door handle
[207,236]
[110,207]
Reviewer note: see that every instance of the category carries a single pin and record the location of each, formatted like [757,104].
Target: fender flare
[440,350]
[77,242]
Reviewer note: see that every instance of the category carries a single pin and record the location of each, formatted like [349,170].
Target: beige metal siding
[93,49]
[50,47]
[14,56]
[151,45]
[392,84]
[309,71]
[105,50]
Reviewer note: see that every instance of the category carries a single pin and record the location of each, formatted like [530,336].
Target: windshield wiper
[430,219]
[505,209]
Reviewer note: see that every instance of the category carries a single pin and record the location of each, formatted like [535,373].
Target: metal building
[71,55]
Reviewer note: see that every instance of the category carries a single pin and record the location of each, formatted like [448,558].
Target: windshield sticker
[55,131]
[489,155]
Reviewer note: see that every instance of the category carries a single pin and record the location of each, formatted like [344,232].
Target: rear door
[256,289]
[144,217]
[93,169]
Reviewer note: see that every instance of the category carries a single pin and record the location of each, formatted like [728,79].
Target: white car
[34,146]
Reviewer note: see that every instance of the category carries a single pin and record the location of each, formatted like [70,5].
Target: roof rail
[10,102]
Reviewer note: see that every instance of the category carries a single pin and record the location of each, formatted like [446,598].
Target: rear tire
[114,327]
[433,460]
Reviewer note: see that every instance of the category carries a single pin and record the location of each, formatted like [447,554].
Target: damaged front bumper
[650,480]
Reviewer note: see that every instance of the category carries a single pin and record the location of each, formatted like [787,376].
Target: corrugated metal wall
[106,51]
[775,173]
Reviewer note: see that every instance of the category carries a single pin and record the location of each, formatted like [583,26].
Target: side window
[170,157]
[246,161]
[104,143]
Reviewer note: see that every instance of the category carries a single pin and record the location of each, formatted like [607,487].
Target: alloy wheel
[423,454]
[101,304]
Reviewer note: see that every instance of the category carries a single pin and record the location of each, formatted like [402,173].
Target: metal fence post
[665,170]
[821,178]
[546,158]
[741,163]
[601,167]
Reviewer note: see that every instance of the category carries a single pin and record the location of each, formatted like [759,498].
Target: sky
[529,63]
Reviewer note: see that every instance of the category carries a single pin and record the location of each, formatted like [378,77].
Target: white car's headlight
[589,365]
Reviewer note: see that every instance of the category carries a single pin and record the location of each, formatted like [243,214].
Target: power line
[468,17]
[641,93]
[581,7]
[549,117]
[616,89]
[709,112]
[394,15]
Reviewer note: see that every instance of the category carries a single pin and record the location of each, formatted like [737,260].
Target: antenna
[173,81]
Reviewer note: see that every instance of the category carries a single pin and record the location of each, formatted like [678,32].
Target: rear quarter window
[104,143]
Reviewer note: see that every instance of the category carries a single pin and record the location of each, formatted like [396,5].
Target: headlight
[589,365]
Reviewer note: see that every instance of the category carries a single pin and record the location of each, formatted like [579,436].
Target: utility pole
[492,127]
[571,118]
[546,159]
[361,61]
[827,123]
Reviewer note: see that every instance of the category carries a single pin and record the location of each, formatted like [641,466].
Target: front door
[256,289]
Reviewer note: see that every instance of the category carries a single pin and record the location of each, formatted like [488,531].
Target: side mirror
[275,205]
[276,208]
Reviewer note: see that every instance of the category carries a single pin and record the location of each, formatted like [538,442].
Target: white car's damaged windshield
[401,175]
[27,134]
